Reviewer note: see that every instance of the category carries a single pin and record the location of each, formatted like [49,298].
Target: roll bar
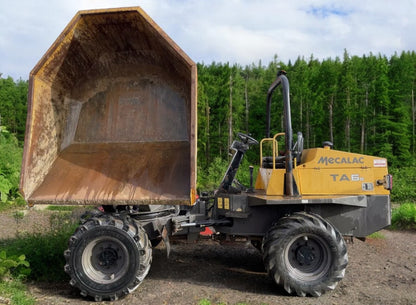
[290,185]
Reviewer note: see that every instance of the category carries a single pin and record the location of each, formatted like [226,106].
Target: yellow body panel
[329,172]
[271,180]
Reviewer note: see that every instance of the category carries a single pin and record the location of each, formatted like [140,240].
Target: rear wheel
[305,254]
[108,257]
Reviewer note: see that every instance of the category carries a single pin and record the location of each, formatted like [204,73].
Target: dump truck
[112,118]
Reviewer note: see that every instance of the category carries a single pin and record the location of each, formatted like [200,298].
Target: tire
[305,254]
[107,257]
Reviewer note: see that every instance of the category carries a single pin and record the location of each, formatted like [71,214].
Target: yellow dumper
[112,123]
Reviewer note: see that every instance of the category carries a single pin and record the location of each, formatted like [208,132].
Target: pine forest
[361,104]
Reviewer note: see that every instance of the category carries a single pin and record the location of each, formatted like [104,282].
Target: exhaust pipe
[290,185]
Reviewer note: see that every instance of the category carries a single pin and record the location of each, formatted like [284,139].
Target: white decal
[380,163]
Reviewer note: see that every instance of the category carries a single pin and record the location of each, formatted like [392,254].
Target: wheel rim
[307,257]
[105,260]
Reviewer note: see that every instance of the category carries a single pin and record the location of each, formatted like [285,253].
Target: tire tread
[293,223]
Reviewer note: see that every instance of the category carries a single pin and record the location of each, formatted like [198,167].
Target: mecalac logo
[341,160]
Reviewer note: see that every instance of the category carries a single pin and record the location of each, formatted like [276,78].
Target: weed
[18,217]
[13,265]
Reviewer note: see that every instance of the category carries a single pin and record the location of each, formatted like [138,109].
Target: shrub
[211,178]
[44,251]
[404,181]
[404,217]
[13,265]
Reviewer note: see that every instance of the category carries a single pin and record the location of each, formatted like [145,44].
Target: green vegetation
[13,265]
[404,182]
[13,96]
[48,246]
[15,293]
[34,256]
[404,217]
[62,208]
[377,235]
[13,106]
[10,162]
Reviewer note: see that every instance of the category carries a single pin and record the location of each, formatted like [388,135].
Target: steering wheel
[247,139]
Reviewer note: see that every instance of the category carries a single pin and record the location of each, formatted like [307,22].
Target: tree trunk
[247,104]
[331,127]
[219,141]
[301,113]
[348,123]
[363,125]
[230,117]
[413,122]
[207,147]
[308,131]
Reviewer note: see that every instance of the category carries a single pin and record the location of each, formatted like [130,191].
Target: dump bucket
[111,115]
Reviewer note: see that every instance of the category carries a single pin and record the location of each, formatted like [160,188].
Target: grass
[14,292]
[376,235]
[17,204]
[404,217]
[62,208]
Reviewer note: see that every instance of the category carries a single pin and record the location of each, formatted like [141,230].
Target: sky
[234,31]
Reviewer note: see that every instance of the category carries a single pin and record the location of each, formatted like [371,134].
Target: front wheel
[108,257]
[305,254]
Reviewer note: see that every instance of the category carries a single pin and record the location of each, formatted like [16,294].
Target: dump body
[112,115]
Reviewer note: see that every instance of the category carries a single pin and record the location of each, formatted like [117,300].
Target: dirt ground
[380,271]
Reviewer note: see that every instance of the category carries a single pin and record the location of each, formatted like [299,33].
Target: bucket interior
[111,117]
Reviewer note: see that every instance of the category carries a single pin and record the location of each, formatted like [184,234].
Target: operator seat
[280,161]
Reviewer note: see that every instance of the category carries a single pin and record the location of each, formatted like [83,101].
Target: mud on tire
[305,254]
[108,257]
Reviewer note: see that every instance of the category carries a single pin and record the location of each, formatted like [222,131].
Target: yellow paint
[220,203]
[276,182]
[226,203]
[275,147]
[329,172]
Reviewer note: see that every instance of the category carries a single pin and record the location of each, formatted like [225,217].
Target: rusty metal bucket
[111,115]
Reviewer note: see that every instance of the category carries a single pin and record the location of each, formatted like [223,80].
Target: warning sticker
[380,163]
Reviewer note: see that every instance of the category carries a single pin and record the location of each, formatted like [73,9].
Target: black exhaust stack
[290,184]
